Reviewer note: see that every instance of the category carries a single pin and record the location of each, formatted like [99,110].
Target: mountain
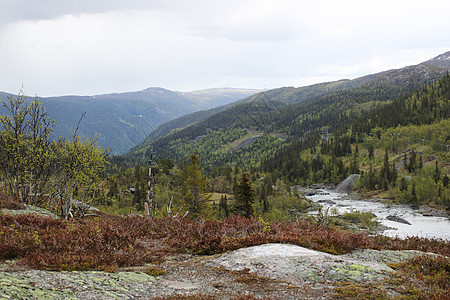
[271,119]
[281,96]
[211,98]
[421,118]
[442,60]
[122,120]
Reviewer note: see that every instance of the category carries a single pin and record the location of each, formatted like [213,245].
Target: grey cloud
[99,46]
[19,10]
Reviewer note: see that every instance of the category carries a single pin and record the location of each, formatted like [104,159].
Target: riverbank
[383,197]
[372,196]
[398,219]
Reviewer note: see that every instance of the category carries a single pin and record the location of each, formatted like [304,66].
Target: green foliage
[26,152]
[423,189]
[193,189]
[265,224]
[244,197]
[279,202]
[425,106]
[297,165]
[331,158]
[285,112]
[79,165]
[32,165]
[223,206]
[366,219]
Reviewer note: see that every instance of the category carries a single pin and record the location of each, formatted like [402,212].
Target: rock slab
[299,265]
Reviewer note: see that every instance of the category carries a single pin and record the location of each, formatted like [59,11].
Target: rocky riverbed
[271,271]
[397,219]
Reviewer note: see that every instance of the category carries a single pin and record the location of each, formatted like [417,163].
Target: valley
[123,120]
[250,173]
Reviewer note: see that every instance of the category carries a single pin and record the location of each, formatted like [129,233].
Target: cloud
[87,47]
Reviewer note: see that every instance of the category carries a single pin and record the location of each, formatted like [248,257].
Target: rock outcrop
[346,186]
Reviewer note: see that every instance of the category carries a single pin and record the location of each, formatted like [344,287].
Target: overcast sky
[88,47]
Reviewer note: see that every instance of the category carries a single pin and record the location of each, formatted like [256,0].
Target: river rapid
[420,225]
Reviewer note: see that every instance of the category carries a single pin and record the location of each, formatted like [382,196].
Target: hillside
[122,120]
[418,122]
[286,114]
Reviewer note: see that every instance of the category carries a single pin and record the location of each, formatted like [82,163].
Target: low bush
[45,243]
[433,271]
[111,242]
[421,277]
[9,202]
[366,219]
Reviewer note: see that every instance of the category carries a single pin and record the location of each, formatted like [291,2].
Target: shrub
[9,202]
[111,242]
[421,277]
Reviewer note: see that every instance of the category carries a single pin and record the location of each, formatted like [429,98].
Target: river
[423,226]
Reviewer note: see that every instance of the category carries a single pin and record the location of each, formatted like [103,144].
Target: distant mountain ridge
[442,60]
[215,97]
[287,113]
[122,120]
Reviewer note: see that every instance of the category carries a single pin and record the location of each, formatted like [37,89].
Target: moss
[354,272]
[154,271]
[110,285]
[15,287]
[307,275]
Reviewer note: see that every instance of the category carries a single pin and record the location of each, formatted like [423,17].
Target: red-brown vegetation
[9,202]
[421,277]
[110,242]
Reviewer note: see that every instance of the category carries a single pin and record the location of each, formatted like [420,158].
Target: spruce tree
[414,200]
[403,184]
[394,174]
[223,205]
[370,149]
[437,173]
[445,181]
[193,189]
[244,197]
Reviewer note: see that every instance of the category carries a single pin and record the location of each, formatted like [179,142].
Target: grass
[217,196]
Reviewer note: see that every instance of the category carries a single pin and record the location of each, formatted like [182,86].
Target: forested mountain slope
[423,115]
[122,120]
[280,116]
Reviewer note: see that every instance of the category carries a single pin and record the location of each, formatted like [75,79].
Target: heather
[111,242]
[421,277]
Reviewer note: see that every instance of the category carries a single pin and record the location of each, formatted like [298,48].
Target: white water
[430,227]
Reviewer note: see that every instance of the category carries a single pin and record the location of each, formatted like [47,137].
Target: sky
[91,47]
